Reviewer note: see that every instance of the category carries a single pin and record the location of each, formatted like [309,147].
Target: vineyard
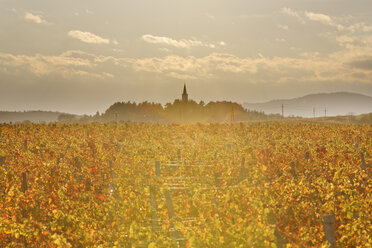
[274,184]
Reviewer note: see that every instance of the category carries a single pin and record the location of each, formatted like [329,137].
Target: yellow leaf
[152,245]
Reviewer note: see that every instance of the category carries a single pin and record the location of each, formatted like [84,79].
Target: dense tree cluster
[178,111]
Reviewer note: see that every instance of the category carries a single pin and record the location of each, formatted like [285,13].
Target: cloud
[293,13]
[35,18]
[344,65]
[88,37]
[290,12]
[327,20]
[318,17]
[284,27]
[183,43]
[362,64]
[359,27]
[68,64]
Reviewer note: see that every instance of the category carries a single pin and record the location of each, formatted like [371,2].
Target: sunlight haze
[82,56]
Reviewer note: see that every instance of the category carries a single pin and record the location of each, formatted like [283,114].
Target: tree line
[176,112]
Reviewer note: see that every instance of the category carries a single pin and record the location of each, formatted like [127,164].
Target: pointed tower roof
[185,97]
[184,89]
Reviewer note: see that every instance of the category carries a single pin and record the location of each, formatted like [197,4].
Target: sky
[82,56]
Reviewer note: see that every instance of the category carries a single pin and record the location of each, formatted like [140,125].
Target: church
[185,96]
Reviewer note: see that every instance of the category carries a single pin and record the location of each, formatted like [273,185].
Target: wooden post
[362,188]
[154,216]
[215,155]
[157,168]
[25,144]
[112,186]
[111,191]
[175,233]
[329,229]
[111,171]
[170,208]
[179,155]
[24,182]
[242,169]
[88,184]
[77,163]
[59,158]
[363,165]
[293,170]
[217,182]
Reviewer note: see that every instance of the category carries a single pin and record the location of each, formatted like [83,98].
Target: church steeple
[185,97]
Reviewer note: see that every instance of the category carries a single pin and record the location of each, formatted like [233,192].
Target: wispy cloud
[39,19]
[290,12]
[284,27]
[183,43]
[88,37]
[68,64]
[346,65]
[359,27]
[318,17]
[293,13]
[337,23]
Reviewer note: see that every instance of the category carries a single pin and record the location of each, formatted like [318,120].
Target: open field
[264,184]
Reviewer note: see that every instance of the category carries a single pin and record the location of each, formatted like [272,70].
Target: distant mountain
[32,116]
[330,104]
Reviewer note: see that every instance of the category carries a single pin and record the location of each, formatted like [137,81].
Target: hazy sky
[82,56]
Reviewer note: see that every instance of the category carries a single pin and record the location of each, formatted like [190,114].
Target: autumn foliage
[89,185]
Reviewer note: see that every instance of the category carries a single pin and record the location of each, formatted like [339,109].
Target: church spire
[185,96]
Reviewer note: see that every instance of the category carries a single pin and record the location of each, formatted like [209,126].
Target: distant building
[185,96]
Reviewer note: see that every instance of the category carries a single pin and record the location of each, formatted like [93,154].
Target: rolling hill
[329,104]
[31,116]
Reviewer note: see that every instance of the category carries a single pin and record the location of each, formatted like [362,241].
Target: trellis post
[242,169]
[363,165]
[293,170]
[157,168]
[24,186]
[154,216]
[330,229]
